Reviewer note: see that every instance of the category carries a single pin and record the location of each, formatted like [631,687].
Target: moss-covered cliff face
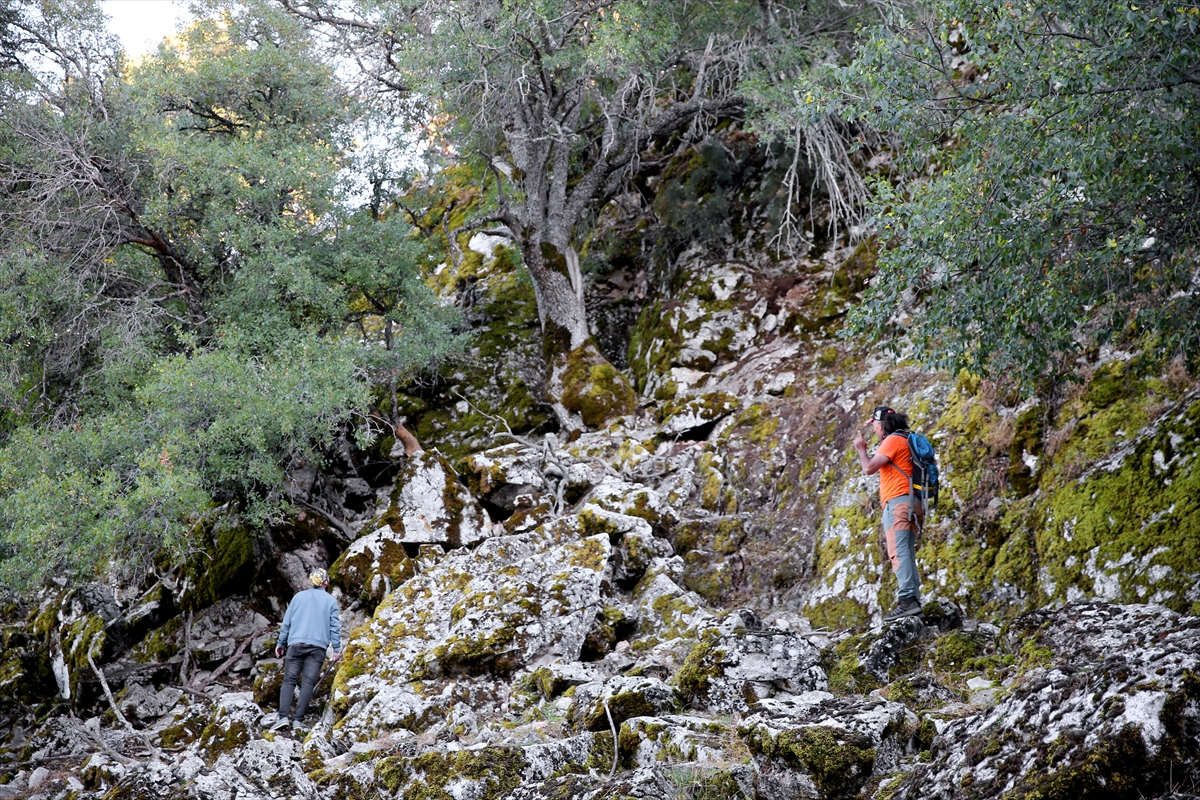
[1100,505]
[1083,491]
[1093,499]
[502,376]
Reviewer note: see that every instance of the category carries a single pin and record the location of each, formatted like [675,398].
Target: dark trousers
[303,664]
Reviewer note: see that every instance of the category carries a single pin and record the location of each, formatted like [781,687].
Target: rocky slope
[680,602]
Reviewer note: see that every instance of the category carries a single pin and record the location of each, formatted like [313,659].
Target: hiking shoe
[906,607]
[298,728]
[280,724]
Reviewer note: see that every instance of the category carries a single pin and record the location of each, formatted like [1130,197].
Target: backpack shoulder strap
[904,434]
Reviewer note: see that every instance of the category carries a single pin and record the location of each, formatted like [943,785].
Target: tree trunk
[584,388]
[558,286]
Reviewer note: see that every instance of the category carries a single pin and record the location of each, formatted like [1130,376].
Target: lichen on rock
[428,506]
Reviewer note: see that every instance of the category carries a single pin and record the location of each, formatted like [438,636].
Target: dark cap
[877,415]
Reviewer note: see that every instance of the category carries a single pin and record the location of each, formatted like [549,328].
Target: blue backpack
[924,480]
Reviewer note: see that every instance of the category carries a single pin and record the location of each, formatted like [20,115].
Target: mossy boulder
[268,680]
[709,575]
[838,763]
[232,723]
[508,477]
[372,566]
[681,739]
[593,388]
[846,590]
[738,663]
[1040,503]
[486,773]
[635,500]
[666,610]
[618,699]
[637,551]
[840,744]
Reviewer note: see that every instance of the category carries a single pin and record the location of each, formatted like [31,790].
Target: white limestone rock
[697,412]
[430,506]
[665,610]
[838,744]
[502,474]
[511,602]
[636,552]
[1120,689]
[675,738]
[219,629]
[296,565]
[634,499]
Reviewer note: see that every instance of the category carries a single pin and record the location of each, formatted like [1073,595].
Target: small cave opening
[698,434]
[379,473]
[601,642]
[495,513]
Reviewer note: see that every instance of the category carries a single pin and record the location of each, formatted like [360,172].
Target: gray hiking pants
[902,518]
[303,665]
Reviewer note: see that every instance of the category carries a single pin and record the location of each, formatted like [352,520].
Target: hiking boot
[906,607]
[281,724]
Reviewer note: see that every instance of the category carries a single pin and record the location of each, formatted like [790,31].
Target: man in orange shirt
[903,512]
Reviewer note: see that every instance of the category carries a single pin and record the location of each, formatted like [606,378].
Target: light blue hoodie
[312,618]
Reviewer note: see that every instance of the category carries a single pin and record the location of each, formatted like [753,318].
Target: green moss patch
[267,683]
[160,644]
[703,663]
[839,763]
[1136,527]
[495,771]
[228,569]
[594,388]
[844,669]
[216,739]
[360,572]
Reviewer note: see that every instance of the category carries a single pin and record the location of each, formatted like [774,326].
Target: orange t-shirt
[893,483]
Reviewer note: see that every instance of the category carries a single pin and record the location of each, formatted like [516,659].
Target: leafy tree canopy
[564,100]
[1046,181]
[190,300]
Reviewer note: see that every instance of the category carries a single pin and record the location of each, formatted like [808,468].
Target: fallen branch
[616,740]
[194,693]
[120,673]
[187,651]
[14,765]
[117,710]
[332,520]
[241,648]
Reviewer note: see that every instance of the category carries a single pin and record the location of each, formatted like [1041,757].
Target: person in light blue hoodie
[310,625]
